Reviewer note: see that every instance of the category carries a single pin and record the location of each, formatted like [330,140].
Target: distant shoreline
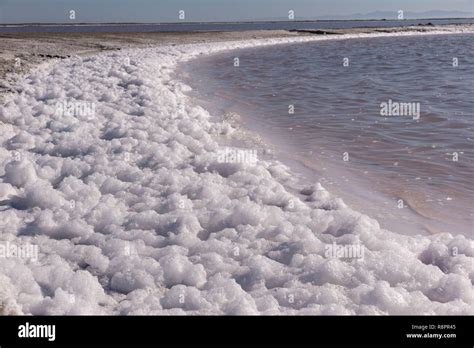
[189,27]
[232,22]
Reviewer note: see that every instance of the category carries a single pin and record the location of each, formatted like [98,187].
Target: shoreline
[184,212]
[33,49]
[240,22]
[415,218]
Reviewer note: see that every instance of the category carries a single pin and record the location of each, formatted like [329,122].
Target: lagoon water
[413,174]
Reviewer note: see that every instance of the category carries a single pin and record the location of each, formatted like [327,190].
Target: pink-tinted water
[413,172]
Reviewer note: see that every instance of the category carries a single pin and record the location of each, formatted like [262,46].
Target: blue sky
[17,11]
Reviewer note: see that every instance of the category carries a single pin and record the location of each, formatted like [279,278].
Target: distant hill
[407,15]
[389,15]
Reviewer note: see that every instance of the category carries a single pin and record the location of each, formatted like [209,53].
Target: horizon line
[239,22]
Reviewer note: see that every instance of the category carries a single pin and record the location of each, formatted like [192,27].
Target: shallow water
[411,174]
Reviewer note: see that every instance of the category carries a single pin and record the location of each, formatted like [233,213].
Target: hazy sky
[17,11]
